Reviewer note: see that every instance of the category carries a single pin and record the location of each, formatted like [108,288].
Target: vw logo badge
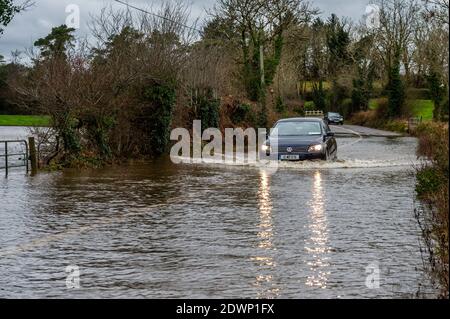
[289,149]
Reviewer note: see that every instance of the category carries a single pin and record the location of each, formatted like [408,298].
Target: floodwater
[159,230]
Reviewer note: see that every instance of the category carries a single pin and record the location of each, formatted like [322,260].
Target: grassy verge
[24,120]
[432,192]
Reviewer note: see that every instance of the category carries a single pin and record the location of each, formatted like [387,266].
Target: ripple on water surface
[164,230]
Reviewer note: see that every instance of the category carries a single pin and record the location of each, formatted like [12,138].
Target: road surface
[362,131]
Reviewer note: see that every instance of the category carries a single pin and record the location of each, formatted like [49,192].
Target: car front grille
[295,149]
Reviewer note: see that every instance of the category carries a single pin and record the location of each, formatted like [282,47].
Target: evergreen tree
[7,12]
[396,90]
[57,42]
[338,40]
[437,91]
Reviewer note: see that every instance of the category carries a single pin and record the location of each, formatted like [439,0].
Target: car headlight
[315,148]
[265,148]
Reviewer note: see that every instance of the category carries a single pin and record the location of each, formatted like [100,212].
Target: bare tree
[437,9]
[257,23]
[95,94]
[394,38]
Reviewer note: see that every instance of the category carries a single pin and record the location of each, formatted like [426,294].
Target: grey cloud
[38,20]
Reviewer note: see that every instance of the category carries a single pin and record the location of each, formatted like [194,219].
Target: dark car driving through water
[334,118]
[297,139]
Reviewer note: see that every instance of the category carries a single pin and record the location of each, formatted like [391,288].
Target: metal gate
[13,155]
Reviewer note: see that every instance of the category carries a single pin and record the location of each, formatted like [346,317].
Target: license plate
[289,157]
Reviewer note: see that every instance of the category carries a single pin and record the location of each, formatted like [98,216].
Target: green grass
[422,108]
[419,108]
[24,120]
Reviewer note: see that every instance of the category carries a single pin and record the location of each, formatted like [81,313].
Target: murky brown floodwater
[160,230]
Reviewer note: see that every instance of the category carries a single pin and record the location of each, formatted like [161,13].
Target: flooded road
[159,230]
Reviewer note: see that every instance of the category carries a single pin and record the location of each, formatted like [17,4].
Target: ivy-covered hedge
[159,101]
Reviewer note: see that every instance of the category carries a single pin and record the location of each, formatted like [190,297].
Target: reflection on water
[317,245]
[158,230]
[265,281]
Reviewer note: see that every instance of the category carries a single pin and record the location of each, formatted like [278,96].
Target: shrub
[432,190]
[346,107]
[309,106]
[382,108]
[208,110]
[444,109]
[399,126]
[159,100]
[240,113]
[373,119]
[418,93]
[319,97]
[428,181]
[280,107]
[363,118]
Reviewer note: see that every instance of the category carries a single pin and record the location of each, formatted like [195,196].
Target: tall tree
[395,35]
[317,62]
[364,68]
[8,10]
[57,42]
[259,25]
[338,41]
[396,90]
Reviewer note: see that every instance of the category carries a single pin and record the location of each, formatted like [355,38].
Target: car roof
[301,119]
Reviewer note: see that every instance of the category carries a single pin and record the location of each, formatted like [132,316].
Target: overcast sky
[37,21]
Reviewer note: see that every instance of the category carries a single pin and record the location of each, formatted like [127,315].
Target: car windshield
[297,128]
[333,114]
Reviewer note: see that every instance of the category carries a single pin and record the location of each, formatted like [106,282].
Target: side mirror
[329,134]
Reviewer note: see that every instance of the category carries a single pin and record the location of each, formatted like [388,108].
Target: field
[24,120]
[418,108]
[422,108]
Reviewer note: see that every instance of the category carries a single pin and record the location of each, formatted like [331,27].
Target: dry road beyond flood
[160,230]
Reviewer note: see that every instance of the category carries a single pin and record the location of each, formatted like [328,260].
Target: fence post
[33,157]
[6,158]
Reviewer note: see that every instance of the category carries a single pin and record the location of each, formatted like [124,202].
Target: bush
[309,106]
[363,118]
[159,100]
[373,119]
[399,126]
[418,94]
[208,110]
[445,109]
[428,181]
[240,113]
[346,107]
[280,107]
[432,190]
[382,108]
[320,97]
[433,143]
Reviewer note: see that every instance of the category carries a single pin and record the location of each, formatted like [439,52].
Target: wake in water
[359,152]
[307,164]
